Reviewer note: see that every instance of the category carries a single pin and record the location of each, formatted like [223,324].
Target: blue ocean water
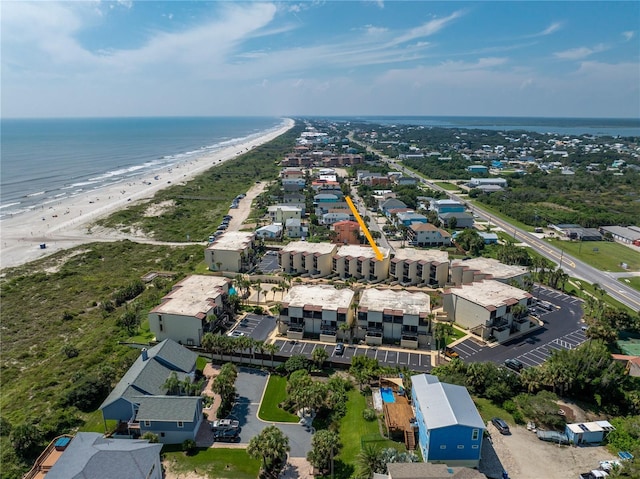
[46,160]
[561,126]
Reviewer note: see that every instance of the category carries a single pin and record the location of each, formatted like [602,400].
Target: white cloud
[580,52]
[374,30]
[554,27]
[628,35]
[429,28]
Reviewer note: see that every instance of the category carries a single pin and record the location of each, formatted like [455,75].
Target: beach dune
[43,231]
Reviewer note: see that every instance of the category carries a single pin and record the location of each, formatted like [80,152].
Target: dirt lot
[524,456]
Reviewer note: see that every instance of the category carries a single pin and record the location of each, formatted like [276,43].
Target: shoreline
[64,225]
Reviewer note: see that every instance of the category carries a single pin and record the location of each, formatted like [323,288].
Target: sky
[329,58]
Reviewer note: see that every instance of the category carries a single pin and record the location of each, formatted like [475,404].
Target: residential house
[271,232]
[391,203]
[301,257]
[293,184]
[191,309]
[392,213]
[426,470]
[478,169]
[461,220]
[487,309]
[450,429]
[335,217]
[410,217]
[488,238]
[294,228]
[291,173]
[360,262]
[420,267]
[447,206]
[391,316]
[177,418]
[231,251]
[148,377]
[465,271]
[475,182]
[406,181]
[293,198]
[316,311]
[375,180]
[593,432]
[426,234]
[91,455]
[347,232]
[281,213]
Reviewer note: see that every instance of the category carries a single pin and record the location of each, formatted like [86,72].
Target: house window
[161,327]
[475,434]
[147,423]
[443,446]
[460,446]
[180,424]
[162,434]
[475,446]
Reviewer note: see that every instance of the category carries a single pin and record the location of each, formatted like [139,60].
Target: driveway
[250,385]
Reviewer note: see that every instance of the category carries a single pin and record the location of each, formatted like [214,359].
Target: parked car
[514,364]
[225,425]
[450,353]
[229,435]
[339,350]
[236,334]
[500,425]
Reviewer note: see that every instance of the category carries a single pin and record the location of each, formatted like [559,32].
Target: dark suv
[500,425]
[514,364]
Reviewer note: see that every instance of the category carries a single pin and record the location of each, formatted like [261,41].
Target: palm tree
[260,348]
[172,384]
[271,348]
[271,446]
[209,344]
[368,461]
[319,356]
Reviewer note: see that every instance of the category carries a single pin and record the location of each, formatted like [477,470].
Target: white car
[236,334]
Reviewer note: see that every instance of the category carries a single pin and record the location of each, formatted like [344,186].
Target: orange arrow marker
[370,239]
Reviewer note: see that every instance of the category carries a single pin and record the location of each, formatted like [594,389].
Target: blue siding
[121,410]
[458,444]
[168,432]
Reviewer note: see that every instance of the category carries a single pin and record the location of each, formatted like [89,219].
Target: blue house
[147,378]
[172,418]
[450,428]
[410,217]
[488,238]
[479,169]
[447,206]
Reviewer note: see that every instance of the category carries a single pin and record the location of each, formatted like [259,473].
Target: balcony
[373,338]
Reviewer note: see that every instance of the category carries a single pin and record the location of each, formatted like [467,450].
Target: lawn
[214,463]
[275,393]
[633,282]
[456,334]
[608,256]
[488,410]
[446,185]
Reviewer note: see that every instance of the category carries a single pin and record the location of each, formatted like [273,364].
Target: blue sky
[127,58]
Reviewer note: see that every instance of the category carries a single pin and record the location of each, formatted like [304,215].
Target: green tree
[172,384]
[271,447]
[368,461]
[130,319]
[319,356]
[364,369]
[325,445]
[25,438]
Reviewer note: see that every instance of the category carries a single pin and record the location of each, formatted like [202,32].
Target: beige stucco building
[485,308]
[231,251]
[315,311]
[386,315]
[420,267]
[477,269]
[189,310]
[360,262]
[302,257]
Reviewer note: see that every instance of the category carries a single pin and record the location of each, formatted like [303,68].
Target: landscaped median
[274,394]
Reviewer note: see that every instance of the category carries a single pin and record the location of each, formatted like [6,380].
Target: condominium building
[487,309]
[302,257]
[315,311]
[231,251]
[386,315]
[421,234]
[477,269]
[360,262]
[420,267]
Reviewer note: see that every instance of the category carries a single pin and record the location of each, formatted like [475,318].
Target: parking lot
[562,329]
[257,326]
[416,361]
[269,262]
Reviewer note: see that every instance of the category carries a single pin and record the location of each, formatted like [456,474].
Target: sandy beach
[66,224]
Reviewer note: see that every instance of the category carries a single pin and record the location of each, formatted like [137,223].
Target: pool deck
[398,414]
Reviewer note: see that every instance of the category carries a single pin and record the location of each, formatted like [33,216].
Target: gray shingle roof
[167,408]
[444,404]
[91,456]
[148,377]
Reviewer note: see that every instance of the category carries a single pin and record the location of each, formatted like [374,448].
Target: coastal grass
[446,185]
[495,212]
[197,206]
[634,282]
[489,410]
[608,256]
[54,304]
[274,394]
[228,463]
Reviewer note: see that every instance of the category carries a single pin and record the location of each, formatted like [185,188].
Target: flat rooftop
[492,266]
[490,293]
[422,255]
[325,296]
[409,303]
[358,251]
[232,241]
[312,248]
[192,295]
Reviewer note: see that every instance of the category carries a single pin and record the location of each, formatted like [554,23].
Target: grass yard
[214,463]
[498,214]
[446,185]
[456,334]
[608,256]
[633,282]
[275,393]
[488,411]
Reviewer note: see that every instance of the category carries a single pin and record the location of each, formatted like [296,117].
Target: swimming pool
[232,291]
[387,395]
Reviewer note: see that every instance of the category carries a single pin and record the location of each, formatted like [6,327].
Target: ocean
[47,160]
[613,127]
